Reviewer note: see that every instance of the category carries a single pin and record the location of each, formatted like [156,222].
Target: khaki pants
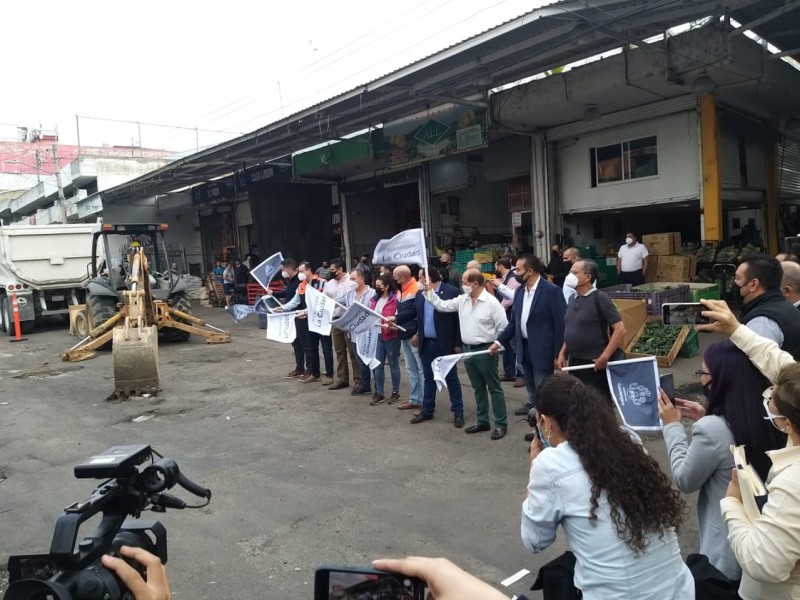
[343,346]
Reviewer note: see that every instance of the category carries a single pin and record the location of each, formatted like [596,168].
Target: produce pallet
[656,327]
[655,294]
[691,346]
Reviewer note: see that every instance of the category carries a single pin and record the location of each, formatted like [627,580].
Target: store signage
[439,132]
[516,219]
[214,192]
[263,174]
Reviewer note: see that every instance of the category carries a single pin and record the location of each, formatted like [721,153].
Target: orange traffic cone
[17,327]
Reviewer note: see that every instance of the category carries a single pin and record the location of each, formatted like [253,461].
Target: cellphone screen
[683,314]
[667,384]
[349,585]
[271,303]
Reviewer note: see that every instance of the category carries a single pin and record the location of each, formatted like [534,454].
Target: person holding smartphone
[617,508]
[732,416]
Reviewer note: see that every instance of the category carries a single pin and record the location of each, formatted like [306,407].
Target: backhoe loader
[127,304]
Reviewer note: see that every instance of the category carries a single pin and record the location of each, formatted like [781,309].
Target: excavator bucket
[135,356]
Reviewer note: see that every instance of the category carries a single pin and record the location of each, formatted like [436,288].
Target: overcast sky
[209,64]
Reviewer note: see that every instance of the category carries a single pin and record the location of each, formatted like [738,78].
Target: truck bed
[46,256]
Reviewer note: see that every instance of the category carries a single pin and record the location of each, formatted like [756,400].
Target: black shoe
[508,378]
[499,433]
[421,418]
[529,437]
[360,391]
[376,399]
[477,428]
[458,421]
[520,412]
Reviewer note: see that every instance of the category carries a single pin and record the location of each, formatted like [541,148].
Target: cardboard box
[652,269]
[663,361]
[677,267]
[662,244]
[634,315]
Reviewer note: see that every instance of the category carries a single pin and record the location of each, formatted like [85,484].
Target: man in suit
[437,335]
[537,326]
[790,285]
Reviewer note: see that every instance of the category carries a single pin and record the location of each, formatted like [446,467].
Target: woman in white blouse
[618,509]
[768,548]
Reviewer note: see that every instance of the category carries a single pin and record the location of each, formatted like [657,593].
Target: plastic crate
[587,251]
[655,297]
[464,256]
[703,291]
[487,268]
[691,346]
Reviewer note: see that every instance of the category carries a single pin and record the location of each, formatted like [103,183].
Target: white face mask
[629,241]
[301,276]
[571,280]
[285,274]
[467,289]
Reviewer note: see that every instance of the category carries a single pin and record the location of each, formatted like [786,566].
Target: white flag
[406,248]
[367,345]
[441,367]
[264,272]
[280,327]
[357,318]
[320,311]
[634,387]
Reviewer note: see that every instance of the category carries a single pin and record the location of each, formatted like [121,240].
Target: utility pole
[62,200]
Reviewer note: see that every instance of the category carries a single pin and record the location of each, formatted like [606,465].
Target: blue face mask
[544,440]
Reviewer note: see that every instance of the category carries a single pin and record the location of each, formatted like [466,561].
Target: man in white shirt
[481,319]
[632,261]
[338,288]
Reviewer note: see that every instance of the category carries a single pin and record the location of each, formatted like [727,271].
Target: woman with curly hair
[618,509]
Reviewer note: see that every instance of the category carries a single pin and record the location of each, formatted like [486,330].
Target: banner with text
[264,272]
[367,345]
[281,328]
[356,319]
[634,387]
[406,248]
[320,311]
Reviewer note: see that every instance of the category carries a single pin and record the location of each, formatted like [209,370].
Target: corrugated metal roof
[550,36]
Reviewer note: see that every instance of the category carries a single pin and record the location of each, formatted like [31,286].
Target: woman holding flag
[385,302]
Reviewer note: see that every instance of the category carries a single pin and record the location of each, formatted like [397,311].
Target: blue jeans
[316,340]
[387,352]
[365,373]
[428,350]
[416,375]
[533,377]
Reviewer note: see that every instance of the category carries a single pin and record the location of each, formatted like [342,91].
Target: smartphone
[333,582]
[271,303]
[667,383]
[683,313]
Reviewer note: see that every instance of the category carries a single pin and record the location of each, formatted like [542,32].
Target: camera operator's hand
[155,588]
[444,579]
[722,319]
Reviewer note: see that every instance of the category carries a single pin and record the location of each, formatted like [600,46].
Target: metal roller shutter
[789,164]
[447,174]
[756,165]
[729,159]
[507,158]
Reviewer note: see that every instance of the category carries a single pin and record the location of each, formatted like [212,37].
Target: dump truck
[131,297]
[46,267]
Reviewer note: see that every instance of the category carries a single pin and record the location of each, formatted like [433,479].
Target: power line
[157,125]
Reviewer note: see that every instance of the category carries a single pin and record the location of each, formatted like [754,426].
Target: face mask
[629,241]
[571,280]
[301,276]
[554,253]
[285,274]
[498,274]
[545,442]
[707,389]
[520,278]
[467,290]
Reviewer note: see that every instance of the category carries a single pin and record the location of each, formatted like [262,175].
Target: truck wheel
[3,318]
[180,302]
[100,309]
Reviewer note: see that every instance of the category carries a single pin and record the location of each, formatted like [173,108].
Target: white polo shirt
[632,257]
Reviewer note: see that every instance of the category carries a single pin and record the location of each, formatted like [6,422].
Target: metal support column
[345,224]
[423,183]
[712,178]
[540,198]
[771,200]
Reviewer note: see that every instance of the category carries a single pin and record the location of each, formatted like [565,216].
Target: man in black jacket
[438,334]
[407,318]
[764,309]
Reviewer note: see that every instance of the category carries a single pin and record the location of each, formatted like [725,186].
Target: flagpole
[614,363]
[374,312]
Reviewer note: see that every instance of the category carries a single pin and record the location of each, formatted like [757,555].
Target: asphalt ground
[300,475]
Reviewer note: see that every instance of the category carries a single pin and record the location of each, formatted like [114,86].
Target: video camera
[72,570]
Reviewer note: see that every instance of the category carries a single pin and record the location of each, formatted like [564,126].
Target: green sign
[439,132]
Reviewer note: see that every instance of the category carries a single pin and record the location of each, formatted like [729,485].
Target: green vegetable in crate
[727,254]
[706,253]
[656,339]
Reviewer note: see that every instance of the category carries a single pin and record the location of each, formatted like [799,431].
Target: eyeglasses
[767,396]
[700,373]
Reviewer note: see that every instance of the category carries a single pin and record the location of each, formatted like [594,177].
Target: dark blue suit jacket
[545,326]
[448,330]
